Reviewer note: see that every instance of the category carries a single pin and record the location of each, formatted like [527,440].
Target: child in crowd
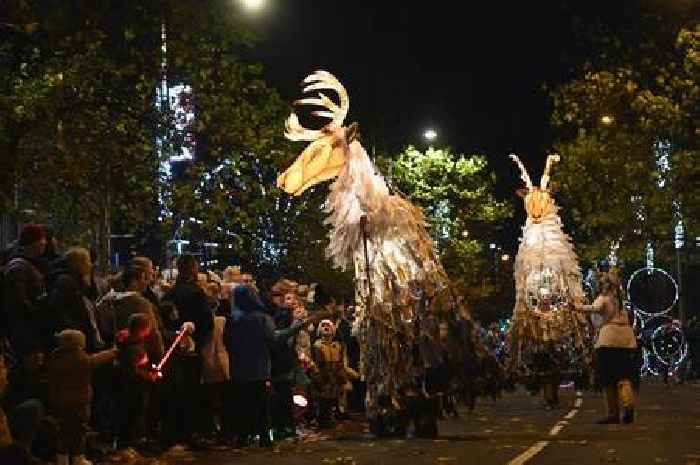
[215,376]
[70,377]
[134,376]
[333,372]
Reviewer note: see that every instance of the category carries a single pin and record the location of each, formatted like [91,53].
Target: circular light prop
[669,347]
[651,270]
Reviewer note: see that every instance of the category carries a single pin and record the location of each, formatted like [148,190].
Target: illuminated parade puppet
[546,335]
[381,236]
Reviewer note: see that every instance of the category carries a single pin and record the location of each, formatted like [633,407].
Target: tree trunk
[104,230]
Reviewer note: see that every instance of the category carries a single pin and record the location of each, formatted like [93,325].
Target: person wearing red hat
[23,291]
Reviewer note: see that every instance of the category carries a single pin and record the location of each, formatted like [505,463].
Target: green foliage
[456,192]
[77,107]
[612,185]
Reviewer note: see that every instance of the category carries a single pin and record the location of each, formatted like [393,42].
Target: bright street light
[252,5]
[607,119]
[430,134]
[505,257]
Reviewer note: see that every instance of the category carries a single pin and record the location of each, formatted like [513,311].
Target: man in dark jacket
[249,337]
[190,299]
[284,362]
[192,306]
[68,298]
[24,292]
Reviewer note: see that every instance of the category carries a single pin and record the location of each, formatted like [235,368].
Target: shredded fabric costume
[547,281]
[361,208]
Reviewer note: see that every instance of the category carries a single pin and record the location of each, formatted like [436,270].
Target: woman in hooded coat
[250,334]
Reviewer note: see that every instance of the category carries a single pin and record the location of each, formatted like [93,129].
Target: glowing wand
[172,347]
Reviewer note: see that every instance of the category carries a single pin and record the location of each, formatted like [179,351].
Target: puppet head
[538,200]
[327,153]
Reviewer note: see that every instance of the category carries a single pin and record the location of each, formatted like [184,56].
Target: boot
[612,406]
[80,460]
[626,395]
[62,459]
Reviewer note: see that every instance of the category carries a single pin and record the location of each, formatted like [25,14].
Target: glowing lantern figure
[547,279]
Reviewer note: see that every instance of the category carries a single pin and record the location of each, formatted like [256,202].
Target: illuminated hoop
[652,270]
[682,349]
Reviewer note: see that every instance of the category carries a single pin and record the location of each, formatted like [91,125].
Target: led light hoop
[681,351]
[638,321]
[652,270]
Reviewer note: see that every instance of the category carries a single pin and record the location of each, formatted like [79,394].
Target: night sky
[475,75]
[472,70]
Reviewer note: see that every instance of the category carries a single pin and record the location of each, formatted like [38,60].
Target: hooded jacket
[250,336]
[70,370]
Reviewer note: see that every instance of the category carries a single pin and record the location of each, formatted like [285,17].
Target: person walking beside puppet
[615,349]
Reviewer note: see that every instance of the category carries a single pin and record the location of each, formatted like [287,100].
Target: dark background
[474,71]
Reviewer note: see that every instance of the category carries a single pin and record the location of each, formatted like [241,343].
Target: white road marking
[558,427]
[523,458]
[539,446]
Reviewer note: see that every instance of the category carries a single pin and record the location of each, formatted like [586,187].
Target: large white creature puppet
[382,236]
[548,282]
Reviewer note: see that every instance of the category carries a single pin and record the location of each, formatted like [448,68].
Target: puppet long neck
[359,190]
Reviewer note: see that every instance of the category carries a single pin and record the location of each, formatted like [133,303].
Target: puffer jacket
[70,376]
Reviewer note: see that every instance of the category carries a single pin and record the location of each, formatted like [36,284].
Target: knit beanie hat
[70,339]
[32,233]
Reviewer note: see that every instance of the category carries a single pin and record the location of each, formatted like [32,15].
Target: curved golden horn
[336,112]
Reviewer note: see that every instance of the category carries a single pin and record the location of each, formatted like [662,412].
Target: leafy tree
[228,196]
[628,135]
[78,116]
[456,192]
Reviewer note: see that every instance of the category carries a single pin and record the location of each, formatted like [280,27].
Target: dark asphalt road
[667,431]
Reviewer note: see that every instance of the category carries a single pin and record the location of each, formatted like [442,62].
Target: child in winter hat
[70,381]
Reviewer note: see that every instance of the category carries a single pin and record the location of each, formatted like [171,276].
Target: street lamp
[607,119]
[252,5]
[505,257]
[430,135]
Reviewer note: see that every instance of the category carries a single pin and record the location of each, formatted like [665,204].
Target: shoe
[62,459]
[611,420]
[628,416]
[80,460]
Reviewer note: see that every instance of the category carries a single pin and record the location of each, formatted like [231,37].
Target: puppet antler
[551,160]
[523,172]
[315,81]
